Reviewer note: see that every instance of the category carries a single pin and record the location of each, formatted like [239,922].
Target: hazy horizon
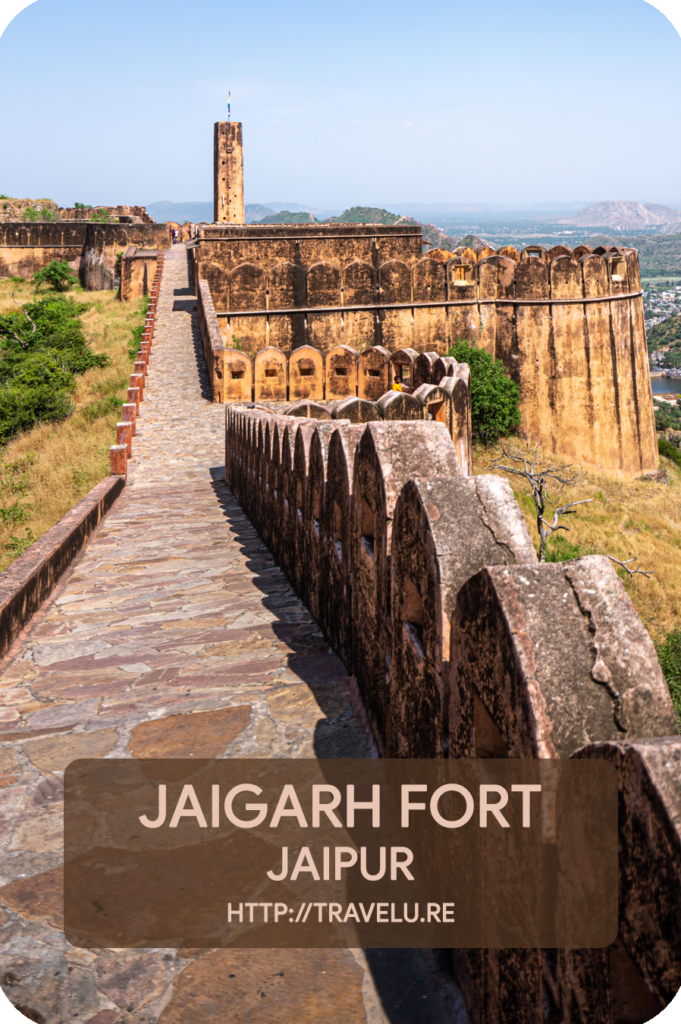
[485,104]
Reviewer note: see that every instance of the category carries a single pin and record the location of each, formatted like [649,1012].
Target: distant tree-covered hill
[666,334]
[365,215]
[659,255]
[287,217]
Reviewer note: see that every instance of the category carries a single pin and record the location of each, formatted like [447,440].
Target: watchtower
[228,174]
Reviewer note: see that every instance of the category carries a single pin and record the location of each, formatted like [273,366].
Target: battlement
[427,584]
[567,324]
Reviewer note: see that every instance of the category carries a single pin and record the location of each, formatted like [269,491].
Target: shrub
[21,410]
[57,274]
[101,217]
[669,450]
[32,214]
[669,653]
[39,366]
[495,398]
[668,416]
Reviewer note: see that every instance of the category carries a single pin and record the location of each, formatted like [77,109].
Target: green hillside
[364,215]
[664,335]
[659,255]
[286,217]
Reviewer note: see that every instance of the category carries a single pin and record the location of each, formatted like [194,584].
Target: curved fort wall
[426,582]
[568,325]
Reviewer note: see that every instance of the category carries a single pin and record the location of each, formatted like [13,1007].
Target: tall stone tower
[228,176]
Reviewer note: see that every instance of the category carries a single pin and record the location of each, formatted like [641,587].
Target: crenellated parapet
[567,324]
[426,582]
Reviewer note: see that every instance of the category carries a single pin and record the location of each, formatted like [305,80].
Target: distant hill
[432,236]
[666,334]
[659,255]
[256,211]
[287,217]
[473,242]
[365,215]
[623,216]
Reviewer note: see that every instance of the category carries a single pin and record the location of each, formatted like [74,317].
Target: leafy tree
[668,416]
[81,206]
[495,398]
[669,653]
[101,217]
[669,450]
[57,274]
[43,350]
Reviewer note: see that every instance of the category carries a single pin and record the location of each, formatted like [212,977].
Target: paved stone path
[175,608]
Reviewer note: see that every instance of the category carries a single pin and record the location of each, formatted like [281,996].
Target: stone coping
[28,581]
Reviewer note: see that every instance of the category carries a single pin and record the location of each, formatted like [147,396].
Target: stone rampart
[568,325]
[426,582]
[104,242]
[26,248]
[91,249]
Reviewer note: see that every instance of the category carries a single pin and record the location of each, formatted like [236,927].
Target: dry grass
[624,519]
[44,472]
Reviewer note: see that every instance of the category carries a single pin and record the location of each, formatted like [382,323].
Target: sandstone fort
[293,557]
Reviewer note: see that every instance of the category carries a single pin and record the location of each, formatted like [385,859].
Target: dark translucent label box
[311,853]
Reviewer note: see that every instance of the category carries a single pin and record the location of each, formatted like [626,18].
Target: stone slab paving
[175,634]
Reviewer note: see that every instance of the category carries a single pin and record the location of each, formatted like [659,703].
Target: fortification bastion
[568,326]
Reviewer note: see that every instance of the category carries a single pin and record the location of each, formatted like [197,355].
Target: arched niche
[395,282]
[247,287]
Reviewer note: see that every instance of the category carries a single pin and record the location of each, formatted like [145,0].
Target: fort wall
[91,249]
[567,325]
[463,645]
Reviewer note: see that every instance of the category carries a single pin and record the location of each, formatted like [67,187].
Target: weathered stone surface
[402,367]
[444,366]
[549,658]
[306,374]
[238,382]
[373,371]
[40,897]
[423,368]
[398,405]
[338,530]
[295,561]
[271,375]
[131,984]
[458,414]
[357,410]
[341,373]
[315,521]
[309,410]
[643,971]
[387,456]
[203,734]
[444,531]
[54,753]
[269,986]
[433,401]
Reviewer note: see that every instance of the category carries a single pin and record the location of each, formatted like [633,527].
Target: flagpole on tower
[229,106]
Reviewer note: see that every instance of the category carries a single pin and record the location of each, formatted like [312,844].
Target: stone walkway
[173,634]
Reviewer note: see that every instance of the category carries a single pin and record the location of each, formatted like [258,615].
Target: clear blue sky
[501,101]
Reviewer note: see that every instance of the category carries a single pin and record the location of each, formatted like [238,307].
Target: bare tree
[8,331]
[538,480]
